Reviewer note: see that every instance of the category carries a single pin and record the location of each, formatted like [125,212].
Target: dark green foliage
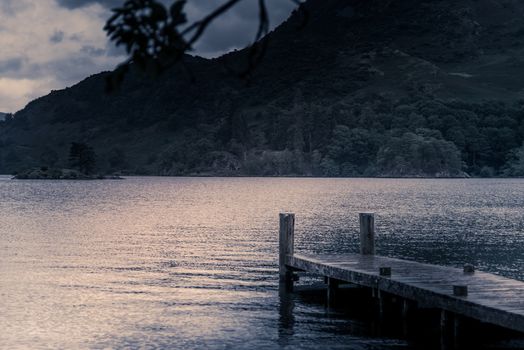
[487,171]
[49,157]
[354,150]
[419,155]
[117,159]
[82,158]
[515,163]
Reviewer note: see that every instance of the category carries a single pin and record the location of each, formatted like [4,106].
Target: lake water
[155,263]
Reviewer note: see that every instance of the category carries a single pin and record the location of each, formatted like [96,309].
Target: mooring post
[286,247]
[367,233]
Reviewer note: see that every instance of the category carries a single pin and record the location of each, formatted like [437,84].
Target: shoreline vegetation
[45,173]
[70,174]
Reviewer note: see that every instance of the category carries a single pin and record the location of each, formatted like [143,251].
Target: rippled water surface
[158,263]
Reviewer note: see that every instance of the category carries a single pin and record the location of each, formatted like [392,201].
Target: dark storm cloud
[74,4]
[115,51]
[76,37]
[12,7]
[73,69]
[93,51]
[11,65]
[66,70]
[57,37]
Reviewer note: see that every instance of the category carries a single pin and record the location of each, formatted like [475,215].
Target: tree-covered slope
[375,88]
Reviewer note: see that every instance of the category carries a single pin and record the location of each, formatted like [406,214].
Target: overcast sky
[51,44]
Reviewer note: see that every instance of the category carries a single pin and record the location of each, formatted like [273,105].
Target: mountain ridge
[332,97]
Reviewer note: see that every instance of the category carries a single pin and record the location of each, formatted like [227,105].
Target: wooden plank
[492,299]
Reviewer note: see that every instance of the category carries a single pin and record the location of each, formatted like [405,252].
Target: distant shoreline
[122,177]
[47,174]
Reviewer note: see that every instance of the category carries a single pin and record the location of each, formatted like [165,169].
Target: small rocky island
[45,173]
[81,166]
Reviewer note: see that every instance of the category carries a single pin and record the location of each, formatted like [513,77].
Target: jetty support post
[450,330]
[406,308]
[286,247]
[367,233]
[332,286]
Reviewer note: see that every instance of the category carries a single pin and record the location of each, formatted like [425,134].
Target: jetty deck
[458,291]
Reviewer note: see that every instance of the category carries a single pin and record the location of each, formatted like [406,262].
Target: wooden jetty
[464,292]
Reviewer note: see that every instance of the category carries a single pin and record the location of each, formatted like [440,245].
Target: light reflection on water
[192,262]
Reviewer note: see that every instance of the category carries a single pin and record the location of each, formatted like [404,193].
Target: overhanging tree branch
[156,38]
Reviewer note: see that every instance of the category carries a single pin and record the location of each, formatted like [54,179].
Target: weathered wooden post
[332,286]
[445,318]
[286,247]
[449,330]
[406,308]
[367,233]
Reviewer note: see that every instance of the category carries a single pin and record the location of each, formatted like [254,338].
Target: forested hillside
[364,88]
